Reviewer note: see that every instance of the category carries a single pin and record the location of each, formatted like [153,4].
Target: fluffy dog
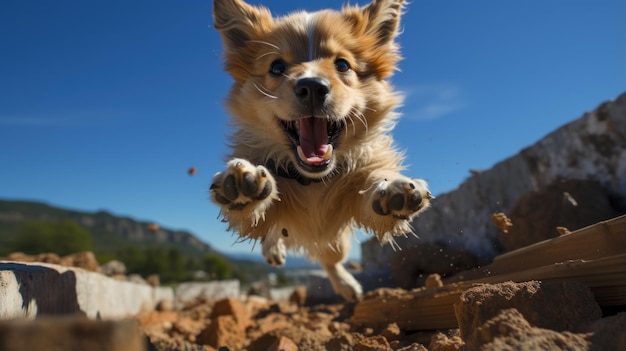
[312,112]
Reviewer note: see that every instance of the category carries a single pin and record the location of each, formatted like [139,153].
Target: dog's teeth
[301,153]
[329,152]
[327,156]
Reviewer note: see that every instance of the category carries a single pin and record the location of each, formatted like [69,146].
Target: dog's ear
[237,21]
[376,26]
[380,19]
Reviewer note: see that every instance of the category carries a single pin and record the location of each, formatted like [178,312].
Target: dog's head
[310,88]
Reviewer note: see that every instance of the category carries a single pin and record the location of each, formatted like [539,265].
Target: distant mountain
[109,232]
[113,234]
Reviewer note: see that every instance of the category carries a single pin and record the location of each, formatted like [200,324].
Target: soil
[521,316]
[532,315]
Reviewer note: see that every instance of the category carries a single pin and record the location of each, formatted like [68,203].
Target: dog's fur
[312,111]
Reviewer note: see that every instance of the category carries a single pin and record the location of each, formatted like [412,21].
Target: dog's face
[310,88]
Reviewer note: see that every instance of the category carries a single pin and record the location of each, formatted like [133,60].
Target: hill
[109,232]
[113,236]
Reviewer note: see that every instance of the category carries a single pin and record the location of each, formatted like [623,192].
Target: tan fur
[316,218]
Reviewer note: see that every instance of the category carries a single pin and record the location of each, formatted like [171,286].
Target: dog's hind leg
[274,250]
[332,258]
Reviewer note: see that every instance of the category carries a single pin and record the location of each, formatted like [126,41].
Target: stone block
[214,290]
[36,289]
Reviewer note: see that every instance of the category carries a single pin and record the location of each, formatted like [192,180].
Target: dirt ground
[561,314]
[509,316]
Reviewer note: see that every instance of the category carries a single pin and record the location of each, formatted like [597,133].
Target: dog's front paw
[243,185]
[400,198]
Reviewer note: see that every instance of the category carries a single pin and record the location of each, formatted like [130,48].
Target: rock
[229,319]
[157,324]
[525,316]
[281,293]
[590,147]
[188,326]
[343,342]
[433,281]
[502,222]
[35,289]
[47,258]
[508,330]
[418,347]
[165,305]
[298,296]
[154,280]
[608,333]
[263,343]
[231,307]
[441,342]
[572,204]
[113,268]
[85,260]
[137,279]
[271,322]
[193,291]
[391,332]
[542,305]
[283,344]
[374,343]
[223,331]
[255,304]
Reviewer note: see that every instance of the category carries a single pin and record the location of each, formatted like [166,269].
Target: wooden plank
[610,295]
[423,309]
[431,309]
[594,255]
[598,275]
[606,238]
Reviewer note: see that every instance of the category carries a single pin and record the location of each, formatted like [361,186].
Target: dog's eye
[278,67]
[342,65]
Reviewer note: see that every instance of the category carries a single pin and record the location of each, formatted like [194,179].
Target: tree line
[65,237]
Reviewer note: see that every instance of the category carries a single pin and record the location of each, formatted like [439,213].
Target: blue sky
[106,104]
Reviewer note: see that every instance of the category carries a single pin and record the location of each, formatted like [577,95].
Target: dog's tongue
[314,140]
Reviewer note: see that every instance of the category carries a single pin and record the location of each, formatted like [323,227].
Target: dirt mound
[85,260]
[523,316]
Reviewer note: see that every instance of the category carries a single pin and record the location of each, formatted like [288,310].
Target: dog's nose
[312,90]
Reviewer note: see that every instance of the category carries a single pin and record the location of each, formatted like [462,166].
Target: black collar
[290,173]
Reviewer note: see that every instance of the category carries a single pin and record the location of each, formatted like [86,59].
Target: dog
[312,114]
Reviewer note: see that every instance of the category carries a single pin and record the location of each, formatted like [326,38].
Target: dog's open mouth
[314,140]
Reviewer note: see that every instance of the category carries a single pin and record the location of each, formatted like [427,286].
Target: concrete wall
[35,289]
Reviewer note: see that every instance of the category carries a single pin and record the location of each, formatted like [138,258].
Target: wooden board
[595,256]
[603,239]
